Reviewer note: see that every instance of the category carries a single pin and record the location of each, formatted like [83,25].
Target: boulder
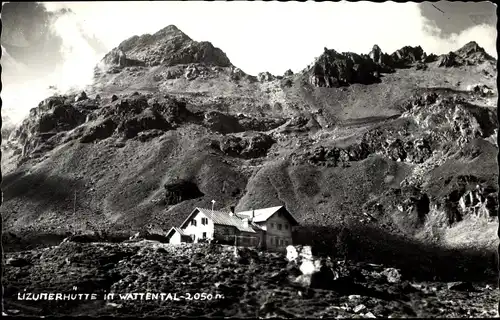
[392,275]
[192,72]
[359,308]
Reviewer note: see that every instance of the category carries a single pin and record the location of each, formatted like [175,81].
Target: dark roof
[222,218]
[225,218]
[175,229]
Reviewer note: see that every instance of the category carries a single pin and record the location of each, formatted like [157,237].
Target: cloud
[256,36]
[276,36]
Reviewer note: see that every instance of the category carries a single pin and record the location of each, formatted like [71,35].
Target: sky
[276,36]
[260,36]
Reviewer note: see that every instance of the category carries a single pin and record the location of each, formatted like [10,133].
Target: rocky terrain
[244,283]
[398,151]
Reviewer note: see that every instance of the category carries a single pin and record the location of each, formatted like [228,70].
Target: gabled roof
[262,215]
[174,229]
[221,218]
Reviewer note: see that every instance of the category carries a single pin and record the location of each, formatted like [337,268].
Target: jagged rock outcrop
[146,120]
[115,60]
[259,124]
[172,109]
[168,47]
[237,74]
[101,130]
[469,195]
[288,73]
[480,201]
[392,145]
[452,119]
[333,69]
[407,56]
[255,146]
[134,114]
[469,55]
[382,59]
[265,77]
[52,116]
[442,121]
[415,203]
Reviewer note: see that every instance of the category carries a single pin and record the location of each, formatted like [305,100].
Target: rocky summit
[387,158]
[169,46]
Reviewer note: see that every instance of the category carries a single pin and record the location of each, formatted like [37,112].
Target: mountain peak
[470,54]
[168,46]
[470,48]
[170,31]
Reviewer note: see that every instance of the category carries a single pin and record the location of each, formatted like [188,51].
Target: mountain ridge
[329,142]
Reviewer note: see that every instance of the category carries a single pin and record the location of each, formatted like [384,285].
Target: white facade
[202,229]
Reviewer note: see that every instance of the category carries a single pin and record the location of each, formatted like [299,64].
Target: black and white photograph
[249,159]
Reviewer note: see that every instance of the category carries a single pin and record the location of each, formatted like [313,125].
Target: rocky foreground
[242,283]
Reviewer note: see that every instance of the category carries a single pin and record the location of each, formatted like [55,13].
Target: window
[286,242]
[204,235]
[279,226]
[272,225]
[193,222]
[286,226]
[204,221]
[280,242]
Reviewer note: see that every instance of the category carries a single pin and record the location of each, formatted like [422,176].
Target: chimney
[231,213]
[253,214]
